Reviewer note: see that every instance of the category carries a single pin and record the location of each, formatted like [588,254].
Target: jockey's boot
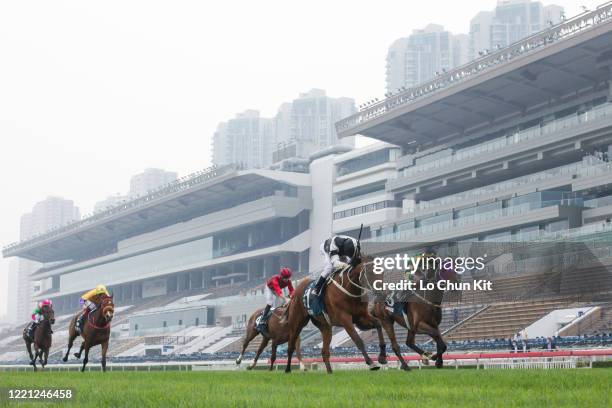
[319,286]
[81,322]
[31,330]
[264,316]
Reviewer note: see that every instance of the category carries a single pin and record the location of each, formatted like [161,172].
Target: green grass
[389,388]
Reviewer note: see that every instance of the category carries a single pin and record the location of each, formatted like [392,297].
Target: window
[364,162]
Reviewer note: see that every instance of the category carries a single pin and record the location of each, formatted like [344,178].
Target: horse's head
[108,308]
[48,313]
[448,275]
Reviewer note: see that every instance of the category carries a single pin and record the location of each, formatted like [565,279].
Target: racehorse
[345,307]
[278,332]
[424,312]
[42,337]
[96,331]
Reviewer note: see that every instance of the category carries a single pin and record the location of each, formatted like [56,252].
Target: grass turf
[389,388]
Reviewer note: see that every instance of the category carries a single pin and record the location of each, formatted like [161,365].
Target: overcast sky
[93,92]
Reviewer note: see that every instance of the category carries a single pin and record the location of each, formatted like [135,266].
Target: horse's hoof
[287,371]
[238,362]
[374,367]
[249,368]
[77,355]
[405,367]
[382,359]
[65,359]
[439,363]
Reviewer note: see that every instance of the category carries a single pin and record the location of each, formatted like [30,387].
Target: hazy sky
[93,92]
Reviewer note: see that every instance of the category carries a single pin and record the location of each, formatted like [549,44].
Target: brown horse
[278,332]
[346,307]
[42,338]
[96,331]
[424,312]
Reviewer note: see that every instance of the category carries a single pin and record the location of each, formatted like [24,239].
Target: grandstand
[514,147]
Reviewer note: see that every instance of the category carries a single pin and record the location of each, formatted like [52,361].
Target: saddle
[261,325]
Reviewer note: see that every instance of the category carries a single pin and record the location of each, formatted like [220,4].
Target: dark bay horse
[42,337]
[278,332]
[96,331]
[346,304]
[423,310]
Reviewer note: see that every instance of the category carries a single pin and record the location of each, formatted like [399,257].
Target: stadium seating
[504,320]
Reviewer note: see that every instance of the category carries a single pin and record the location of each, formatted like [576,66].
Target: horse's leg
[410,342]
[41,352]
[262,347]
[86,359]
[273,355]
[382,355]
[71,337]
[296,324]
[29,348]
[78,355]
[326,333]
[46,356]
[365,322]
[298,353]
[250,335]
[394,345]
[35,357]
[104,350]
[434,333]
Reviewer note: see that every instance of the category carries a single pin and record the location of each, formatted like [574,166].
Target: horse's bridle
[101,309]
[362,274]
[427,301]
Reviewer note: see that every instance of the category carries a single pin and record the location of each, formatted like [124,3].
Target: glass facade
[512,138]
[366,161]
[588,167]
[185,255]
[360,192]
[480,214]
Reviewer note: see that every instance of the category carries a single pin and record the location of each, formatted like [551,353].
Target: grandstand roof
[189,197]
[562,60]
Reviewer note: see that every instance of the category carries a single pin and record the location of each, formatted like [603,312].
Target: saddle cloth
[315,305]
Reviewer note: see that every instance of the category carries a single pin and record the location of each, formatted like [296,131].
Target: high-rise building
[417,58]
[307,122]
[46,215]
[150,179]
[11,305]
[246,139]
[511,21]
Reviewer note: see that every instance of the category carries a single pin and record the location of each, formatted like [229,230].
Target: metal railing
[476,219]
[566,29]
[522,137]
[588,167]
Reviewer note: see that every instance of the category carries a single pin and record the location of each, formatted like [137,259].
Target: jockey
[335,251]
[89,301]
[274,290]
[37,316]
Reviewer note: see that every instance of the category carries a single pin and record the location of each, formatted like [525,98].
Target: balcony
[589,167]
[552,133]
[499,219]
